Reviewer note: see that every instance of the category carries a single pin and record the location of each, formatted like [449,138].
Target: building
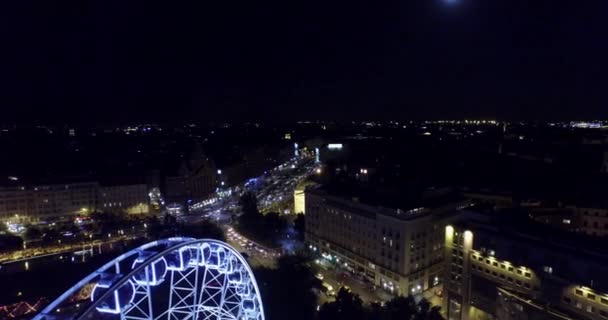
[400,250]
[195,179]
[510,267]
[41,202]
[299,196]
[588,220]
[496,199]
[299,200]
[130,199]
[593,221]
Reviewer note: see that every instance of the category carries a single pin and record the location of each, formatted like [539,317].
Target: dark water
[52,275]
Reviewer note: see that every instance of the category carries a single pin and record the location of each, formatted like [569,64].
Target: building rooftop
[518,225]
[403,204]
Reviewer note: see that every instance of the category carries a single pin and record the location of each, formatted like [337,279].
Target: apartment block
[507,268]
[400,250]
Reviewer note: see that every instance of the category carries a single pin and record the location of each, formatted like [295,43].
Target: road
[258,254]
[338,278]
[273,186]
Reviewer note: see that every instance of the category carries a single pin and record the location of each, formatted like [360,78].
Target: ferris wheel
[170,279]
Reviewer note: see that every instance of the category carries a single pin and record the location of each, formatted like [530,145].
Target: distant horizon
[185,122]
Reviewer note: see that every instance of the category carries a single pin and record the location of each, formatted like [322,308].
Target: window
[509,279]
[604,314]
[511,269]
[579,305]
[495,264]
[603,300]
[578,292]
[567,300]
[518,271]
[590,296]
[548,269]
[528,275]
[589,309]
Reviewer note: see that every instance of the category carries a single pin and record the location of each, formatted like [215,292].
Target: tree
[155,229]
[202,230]
[299,224]
[347,306]
[108,222]
[400,308]
[32,233]
[263,228]
[428,312]
[287,290]
[10,242]
[249,205]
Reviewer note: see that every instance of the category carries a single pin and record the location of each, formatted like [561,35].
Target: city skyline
[304,160]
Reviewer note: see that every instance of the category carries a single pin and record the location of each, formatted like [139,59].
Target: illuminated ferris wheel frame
[196,279]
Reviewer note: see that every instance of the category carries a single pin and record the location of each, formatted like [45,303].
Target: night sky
[119,60]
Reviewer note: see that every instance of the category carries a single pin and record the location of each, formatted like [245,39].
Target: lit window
[566,221]
[548,269]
